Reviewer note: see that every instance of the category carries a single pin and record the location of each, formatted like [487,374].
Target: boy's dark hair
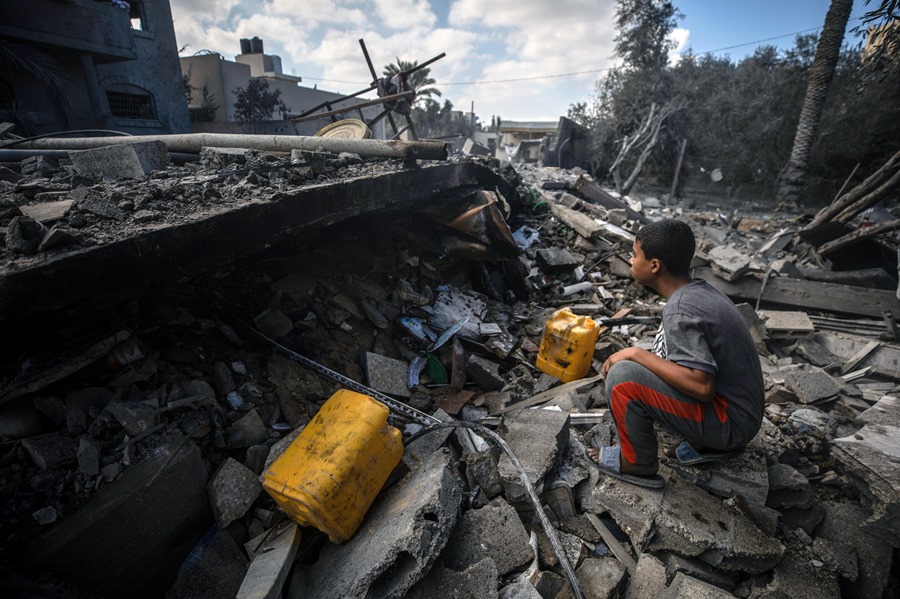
[669,241]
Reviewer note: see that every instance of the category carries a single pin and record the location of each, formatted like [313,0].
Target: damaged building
[172,327]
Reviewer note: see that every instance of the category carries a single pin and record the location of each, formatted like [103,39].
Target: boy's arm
[698,384]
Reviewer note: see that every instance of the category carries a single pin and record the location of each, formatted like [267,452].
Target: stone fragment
[473,148]
[698,569]
[121,161]
[51,451]
[58,236]
[485,373]
[273,323]
[685,587]
[386,375]
[478,581]
[538,438]
[602,578]
[728,262]
[811,385]
[249,430]
[24,235]
[788,488]
[400,538]
[256,458]
[649,578]
[520,589]
[88,456]
[837,555]
[222,378]
[482,472]
[232,491]
[556,261]
[494,531]
[45,515]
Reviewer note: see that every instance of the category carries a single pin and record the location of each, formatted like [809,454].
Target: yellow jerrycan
[332,472]
[567,347]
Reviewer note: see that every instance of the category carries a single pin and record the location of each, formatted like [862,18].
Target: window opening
[131,106]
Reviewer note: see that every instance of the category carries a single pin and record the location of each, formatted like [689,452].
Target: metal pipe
[193,142]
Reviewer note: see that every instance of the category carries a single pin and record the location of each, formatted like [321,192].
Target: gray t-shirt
[702,329]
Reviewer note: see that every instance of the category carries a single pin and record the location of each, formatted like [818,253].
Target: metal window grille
[131,106]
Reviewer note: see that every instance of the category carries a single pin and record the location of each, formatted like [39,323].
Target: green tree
[821,74]
[420,81]
[255,103]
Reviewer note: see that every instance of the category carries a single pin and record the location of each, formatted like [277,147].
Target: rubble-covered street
[158,320]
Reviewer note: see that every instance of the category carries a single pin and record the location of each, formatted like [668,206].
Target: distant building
[213,81]
[526,141]
[115,64]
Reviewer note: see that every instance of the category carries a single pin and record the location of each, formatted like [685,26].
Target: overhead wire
[573,73]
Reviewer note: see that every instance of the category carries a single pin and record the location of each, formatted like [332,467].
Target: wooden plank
[614,545]
[806,295]
[859,356]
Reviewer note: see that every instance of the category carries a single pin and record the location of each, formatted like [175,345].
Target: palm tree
[420,80]
[821,73]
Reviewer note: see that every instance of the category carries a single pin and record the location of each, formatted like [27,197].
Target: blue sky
[520,59]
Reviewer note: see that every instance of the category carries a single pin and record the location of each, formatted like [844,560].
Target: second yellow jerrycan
[567,348]
[332,472]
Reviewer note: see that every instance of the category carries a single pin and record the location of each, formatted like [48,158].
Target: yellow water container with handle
[567,348]
[332,472]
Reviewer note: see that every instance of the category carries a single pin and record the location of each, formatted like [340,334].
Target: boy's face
[643,270]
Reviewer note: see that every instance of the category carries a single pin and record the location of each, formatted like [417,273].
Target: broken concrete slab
[232,491]
[870,458]
[386,375]
[556,260]
[728,262]
[123,161]
[601,578]
[478,581]
[473,148]
[493,531]
[784,324]
[811,385]
[698,569]
[520,589]
[485,373]
[271,564]
[47,212]
[885,412]
[798,578]
[583,224]
[843,523]
[538,438]
[649,579]
[399,540]
[687,587]
[127,539]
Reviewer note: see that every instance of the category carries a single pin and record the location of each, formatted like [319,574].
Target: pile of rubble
[132,446]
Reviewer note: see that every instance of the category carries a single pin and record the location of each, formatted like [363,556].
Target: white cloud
[680,36]
[484,40]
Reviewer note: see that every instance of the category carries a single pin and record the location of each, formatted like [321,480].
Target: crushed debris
[139,405]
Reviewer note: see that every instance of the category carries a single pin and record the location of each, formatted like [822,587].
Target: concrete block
[538,438]
[232,491]
[473,148]
[386,375]
[135,417]
[485,373]
[649,578]
[51,451]
[128,539]
[248,430]
[271,565]
[399,540]
[478,581]
[685,587]
[602,578]
[556,260]
[870,458]
[217,574]
[494,531]
[482,472]
[121,161]
[728,262]
[810,384]
[572,545]
[88,456]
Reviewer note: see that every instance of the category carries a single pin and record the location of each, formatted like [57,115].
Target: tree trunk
[827,51]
